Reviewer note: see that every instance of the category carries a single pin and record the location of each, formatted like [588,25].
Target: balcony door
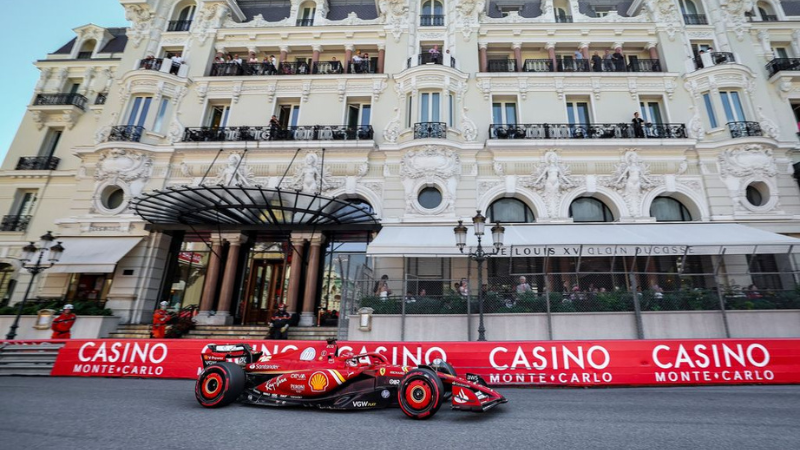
[430,107]
[139,110]
[578,113]
[288,115]
[219,116]
[651,111]
[732,106]
[50,143]
[358,115]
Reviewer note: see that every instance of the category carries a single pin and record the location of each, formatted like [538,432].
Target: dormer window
[87,49]
[432,14]
[602,11]
[184,19]
[305,18]
[506,9]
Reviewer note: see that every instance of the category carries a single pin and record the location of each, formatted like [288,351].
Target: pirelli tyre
[421,393]
[219,385]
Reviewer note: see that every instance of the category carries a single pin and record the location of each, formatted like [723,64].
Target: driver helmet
[68,306]
[164,304]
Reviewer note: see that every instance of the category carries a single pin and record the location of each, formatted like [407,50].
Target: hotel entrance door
[263,289]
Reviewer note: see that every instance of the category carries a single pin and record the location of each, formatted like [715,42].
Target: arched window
[588,209]
[432,14]
[689,7]
[667,209]
[187,13]
[510,210]
[767,12]
[363,204]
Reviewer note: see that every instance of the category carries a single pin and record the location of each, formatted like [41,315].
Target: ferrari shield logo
[382,372]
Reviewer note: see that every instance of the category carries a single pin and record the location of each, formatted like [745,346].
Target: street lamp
[479,255]
[29,252]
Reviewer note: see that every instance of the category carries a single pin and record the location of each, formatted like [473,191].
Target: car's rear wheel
[421,393]
[219,385]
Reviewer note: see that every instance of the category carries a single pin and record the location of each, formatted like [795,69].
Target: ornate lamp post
[29,252]
[479,255]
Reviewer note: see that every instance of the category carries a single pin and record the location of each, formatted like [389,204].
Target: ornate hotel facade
[234,153]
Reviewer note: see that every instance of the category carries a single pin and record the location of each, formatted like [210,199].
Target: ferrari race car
[331,380]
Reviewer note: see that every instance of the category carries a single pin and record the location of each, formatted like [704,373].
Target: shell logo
[318,382]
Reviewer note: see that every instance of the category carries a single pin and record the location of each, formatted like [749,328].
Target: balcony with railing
[37,163]
[782,64]
[744,129]
[430,130]
[695,19]
[366,66]
[561,18]
[269,133]
[502,65]
[15,223]
[576,65]
[431,20]
[76,100]
[432,58]
[126,133]
[714,59]
[84,55]
[179,25]
[764,18]
[587,131]
[305,22]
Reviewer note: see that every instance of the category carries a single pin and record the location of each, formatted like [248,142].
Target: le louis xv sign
[593,250]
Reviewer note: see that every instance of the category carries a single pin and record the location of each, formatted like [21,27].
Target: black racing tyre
[219,385]
[421,393]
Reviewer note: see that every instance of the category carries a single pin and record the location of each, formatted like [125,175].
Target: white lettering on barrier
[596,357]
[694,376]
[700,359]
[147,353]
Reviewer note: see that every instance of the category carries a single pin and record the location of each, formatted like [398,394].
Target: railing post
[403,304]
[637,307]
[717,268]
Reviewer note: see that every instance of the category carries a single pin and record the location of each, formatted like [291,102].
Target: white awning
[532,240]
[93,255]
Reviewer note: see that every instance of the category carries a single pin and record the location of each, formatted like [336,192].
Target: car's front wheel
[219,385]
[421,393]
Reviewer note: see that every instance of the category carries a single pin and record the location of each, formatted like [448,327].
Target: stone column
[315,57]
[517,46]
[796,42]
[651,47]
[308,318]
[284,52]
[551,53]
[229,277]
[210,285]
[484,60]
[296,249]
[348,56]
[381,57]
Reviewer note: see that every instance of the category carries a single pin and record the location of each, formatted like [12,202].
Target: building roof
[276,10]
[528,9]
[791,8]
[115,45]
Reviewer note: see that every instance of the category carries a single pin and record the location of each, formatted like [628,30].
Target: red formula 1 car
[335,381]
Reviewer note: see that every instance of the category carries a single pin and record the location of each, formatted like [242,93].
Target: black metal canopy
[249,206]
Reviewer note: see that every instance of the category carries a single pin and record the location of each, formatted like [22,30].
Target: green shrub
[81,308]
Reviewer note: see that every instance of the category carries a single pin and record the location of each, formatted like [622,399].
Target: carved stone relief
[431,165]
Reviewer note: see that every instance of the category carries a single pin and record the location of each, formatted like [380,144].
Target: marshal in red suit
[160,319]
[63,324]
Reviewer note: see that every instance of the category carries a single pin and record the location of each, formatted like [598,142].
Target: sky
[32,29]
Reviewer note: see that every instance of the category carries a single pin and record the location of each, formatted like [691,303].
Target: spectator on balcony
[435,54]
[608,64]
[302,68]
[638,125]
[619,60]
[382,287]
[597,62]
[237,59]
[335,65]
[274,128]
[220,58]
[177,62]
[356,62]
[365,63]
[463,288]
[523,286]
[148,62]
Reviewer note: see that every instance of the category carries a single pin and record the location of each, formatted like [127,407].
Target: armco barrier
[526,363]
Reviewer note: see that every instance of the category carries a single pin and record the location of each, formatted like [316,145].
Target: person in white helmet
[160,319]
[62,325]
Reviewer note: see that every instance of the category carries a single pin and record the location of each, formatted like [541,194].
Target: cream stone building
[231,154]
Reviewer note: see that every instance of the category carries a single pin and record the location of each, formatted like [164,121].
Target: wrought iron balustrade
[305,22]
[716,59]
[84,55]
[15,223]
[502,65]
[769,18]
[179,25]
[423,130]
[537,65]
[429,58]
[744,129]
[268,133]
[365,66]
[563,19]
[37,163]
[695,19]
[151,63]
[780,64]
[61,99]
[431,20]
[327,67]
[125,133]
[587,131]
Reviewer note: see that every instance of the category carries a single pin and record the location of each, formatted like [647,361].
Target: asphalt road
[104,413]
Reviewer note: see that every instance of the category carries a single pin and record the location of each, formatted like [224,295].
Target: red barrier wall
[529,363]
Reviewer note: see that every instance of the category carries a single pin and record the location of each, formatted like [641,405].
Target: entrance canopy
[588,240]
[93,255]
[242,206]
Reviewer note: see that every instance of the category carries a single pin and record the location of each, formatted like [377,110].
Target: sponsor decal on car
[385,393]
[297,387]
[382,371]
[297,376]
[394,381]
[308,354]
[363,404]
[213,358]
[274,383]
[459,396]
[318,382]
[263,366]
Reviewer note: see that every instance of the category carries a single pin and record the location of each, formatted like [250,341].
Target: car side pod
[473,394]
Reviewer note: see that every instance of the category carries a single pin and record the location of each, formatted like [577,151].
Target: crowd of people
[233,64]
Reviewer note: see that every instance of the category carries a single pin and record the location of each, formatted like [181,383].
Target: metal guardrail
[781,64]
[424,130]
[179,25]
[37,163]
[744,129]
[267,133]
[126,133]
[61,99]
[15,223]
[587,131]
[431,20]
[695,19]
